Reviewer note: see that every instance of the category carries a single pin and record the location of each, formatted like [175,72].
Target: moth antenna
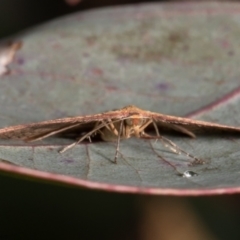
[118,141]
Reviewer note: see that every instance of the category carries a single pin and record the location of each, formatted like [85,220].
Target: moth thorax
[132,122]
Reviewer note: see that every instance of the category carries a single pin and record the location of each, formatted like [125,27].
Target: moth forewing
[190,126]
[50,133]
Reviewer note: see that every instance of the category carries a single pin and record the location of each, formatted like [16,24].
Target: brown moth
[115,125]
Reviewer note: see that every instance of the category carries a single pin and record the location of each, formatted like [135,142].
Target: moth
[113,126]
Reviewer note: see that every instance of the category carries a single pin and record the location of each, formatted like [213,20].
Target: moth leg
[110,126]
[149,121]
[73,144]
[109,133]
[183,130]
[118,141]
[174,147]
[87,135]
[178,128]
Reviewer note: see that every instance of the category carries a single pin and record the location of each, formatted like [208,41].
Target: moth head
[133,122]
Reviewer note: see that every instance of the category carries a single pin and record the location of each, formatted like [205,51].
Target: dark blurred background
[37,210]
[16,15]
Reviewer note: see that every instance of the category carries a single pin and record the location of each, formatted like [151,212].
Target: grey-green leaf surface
[178,59]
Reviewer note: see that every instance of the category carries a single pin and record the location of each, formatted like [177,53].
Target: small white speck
[189,174]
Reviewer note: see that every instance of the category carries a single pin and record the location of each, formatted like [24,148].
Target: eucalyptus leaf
[159,57]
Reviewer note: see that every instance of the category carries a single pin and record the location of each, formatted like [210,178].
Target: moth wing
[190,126]
[40,130]
[31,132]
